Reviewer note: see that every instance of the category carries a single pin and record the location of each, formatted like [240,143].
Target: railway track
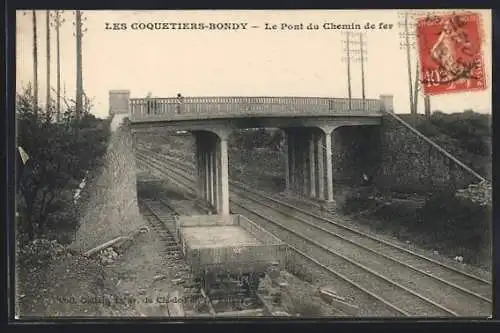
[456,276]
[307,209]
[406,282]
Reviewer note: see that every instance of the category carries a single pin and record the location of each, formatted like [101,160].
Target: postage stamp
[450,51]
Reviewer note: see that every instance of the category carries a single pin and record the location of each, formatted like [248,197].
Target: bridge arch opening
[257,157]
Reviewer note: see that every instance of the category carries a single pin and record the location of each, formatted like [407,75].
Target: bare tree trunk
[47,22]
[35,64]
[79,82]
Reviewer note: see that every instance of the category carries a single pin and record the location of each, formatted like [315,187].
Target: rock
[159,277]
[283,284]
[479,193]
[280,314]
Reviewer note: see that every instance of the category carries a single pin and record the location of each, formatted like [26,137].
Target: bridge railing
[151,108]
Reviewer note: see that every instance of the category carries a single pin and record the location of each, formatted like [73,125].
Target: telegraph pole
[416,89]
[35,64]
[58,21]
[79,80]
[412,108]
[47,22]
[348,59]
[58,69]
[355,51]
[409,42]
[362,58]
[427,104]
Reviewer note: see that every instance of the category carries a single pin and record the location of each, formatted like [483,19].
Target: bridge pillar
[211,193]
[199,166]
[223,174]
[321,166]
[287,160]
[207,173]
[298,163]
[327,132]
[312,166]
[329,166]
[301,173]
[217,182]
[305,162]
[292,149]
[213,173]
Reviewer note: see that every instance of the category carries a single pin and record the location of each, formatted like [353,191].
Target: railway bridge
[308,123]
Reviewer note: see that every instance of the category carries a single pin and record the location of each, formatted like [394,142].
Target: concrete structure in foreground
[308,123]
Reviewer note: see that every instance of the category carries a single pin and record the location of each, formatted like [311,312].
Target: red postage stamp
[450,53]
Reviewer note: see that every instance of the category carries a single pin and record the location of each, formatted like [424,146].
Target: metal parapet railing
[148,108]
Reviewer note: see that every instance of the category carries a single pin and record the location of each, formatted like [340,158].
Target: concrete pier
[213,173]
[310,163]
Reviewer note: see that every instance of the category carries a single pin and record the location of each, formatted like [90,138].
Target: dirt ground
[136,284]
[144,278]
[71,286]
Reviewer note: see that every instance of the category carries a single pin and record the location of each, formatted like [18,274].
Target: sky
[244,62]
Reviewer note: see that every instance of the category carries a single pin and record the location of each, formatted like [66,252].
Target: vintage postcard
[255,164]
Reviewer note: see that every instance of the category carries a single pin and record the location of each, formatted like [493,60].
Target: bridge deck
[174,109]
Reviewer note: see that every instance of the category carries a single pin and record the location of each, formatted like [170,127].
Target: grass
[444,223]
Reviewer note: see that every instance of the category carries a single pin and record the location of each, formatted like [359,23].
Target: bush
[454,220]
[428,129]
[61,152]
[469,128]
